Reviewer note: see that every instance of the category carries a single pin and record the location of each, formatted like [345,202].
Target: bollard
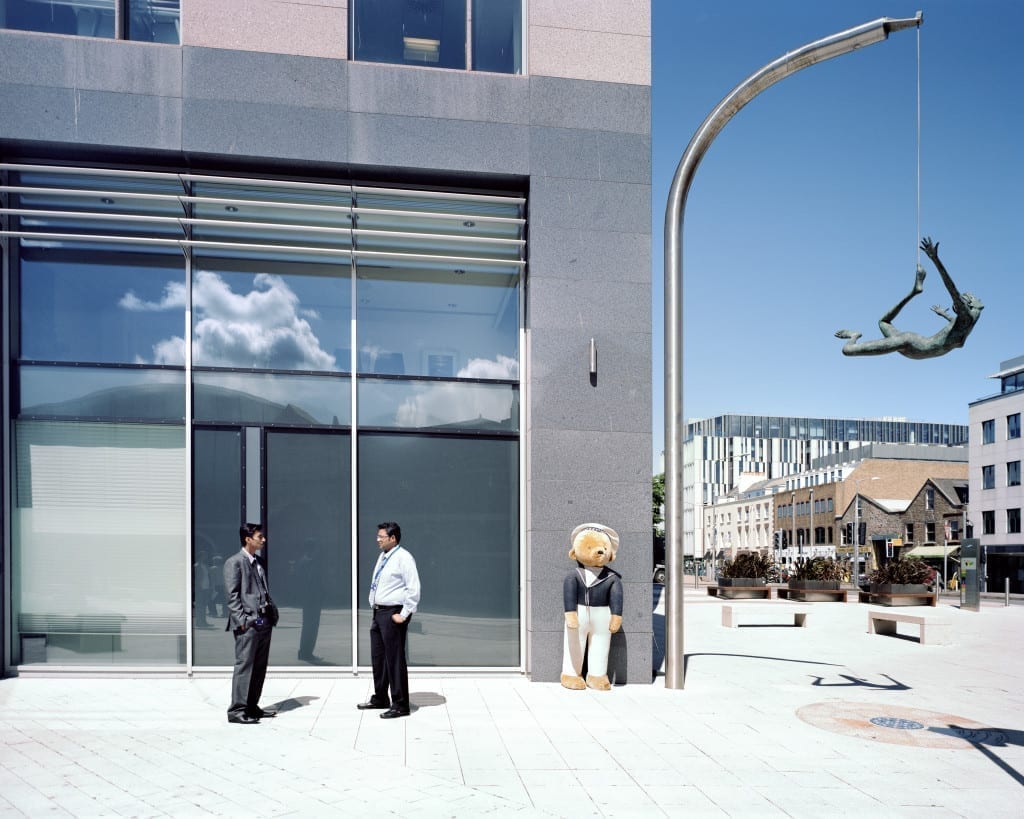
[1006,592]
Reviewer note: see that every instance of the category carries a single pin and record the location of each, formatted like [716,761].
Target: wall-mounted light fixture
[593,362]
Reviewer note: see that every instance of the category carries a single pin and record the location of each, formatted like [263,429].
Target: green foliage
[818,568]
[657,501]
[748,565]
[905,571]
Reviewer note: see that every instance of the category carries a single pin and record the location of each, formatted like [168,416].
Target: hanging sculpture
[966,307]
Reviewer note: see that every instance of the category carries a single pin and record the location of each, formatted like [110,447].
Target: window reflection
[89,18]
[410,32]
[457,501]
[130,393]
[270,319]
[265,398]
[498,36]
[435,404]
[154,21]
[100,306]
[437,322]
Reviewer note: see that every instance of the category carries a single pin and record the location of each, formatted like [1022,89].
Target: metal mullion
[446,195]
[439,236]
[437,214]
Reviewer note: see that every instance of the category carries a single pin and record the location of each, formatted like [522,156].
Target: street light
[792,543]
[810,532]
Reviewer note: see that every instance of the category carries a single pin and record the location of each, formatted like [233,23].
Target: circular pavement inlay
[897,725]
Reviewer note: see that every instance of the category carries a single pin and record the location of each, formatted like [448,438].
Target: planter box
[809,590]
[741,588]
[889,594]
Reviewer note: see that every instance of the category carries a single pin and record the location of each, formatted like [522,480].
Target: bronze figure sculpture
[966,306]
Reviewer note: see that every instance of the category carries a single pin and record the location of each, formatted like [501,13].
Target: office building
[996,496]
[726,455]
[321,265]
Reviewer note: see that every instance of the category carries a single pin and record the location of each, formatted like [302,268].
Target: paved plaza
[826,720]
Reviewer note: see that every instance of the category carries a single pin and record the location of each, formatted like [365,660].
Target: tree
[658,503]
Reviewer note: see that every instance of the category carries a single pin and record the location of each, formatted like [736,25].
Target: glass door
[309,546]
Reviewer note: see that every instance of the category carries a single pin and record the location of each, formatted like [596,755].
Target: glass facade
[264,350]
[153,21]
[438,34]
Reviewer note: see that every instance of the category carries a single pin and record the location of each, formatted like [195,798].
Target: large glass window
[296,290]
[1013,426]
[1013,521]
[1013,473]
[988,477]
[410,32]
[498,36]
[433,33]
[988,522]
[97,536]
[988,431]
[155,21]
[457,502]
[83,304]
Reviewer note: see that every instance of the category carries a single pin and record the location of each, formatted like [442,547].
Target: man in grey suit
[249,617]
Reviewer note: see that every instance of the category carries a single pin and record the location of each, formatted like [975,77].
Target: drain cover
[896,722]
[899,726]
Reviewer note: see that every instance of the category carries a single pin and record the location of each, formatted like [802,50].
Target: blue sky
[803,216]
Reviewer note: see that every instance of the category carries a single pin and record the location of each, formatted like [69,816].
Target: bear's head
[594,544]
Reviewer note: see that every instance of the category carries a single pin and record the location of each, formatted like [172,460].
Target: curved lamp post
[832,46]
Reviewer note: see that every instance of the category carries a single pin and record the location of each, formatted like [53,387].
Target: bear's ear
[572,553]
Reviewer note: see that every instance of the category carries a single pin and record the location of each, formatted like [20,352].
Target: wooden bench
[925,598]
[731,614]
[833,595]
[933,630]
[749,592]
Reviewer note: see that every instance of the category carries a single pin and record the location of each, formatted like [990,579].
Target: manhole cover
[913,726]
[896,722]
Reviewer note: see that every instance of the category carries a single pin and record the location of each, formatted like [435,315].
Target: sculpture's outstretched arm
[931,249]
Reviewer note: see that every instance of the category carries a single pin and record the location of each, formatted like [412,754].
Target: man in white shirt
[394,595]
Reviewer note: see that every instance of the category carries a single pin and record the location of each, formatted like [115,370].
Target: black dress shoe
[263,713]
[391,713]
[369,706]
[244,719]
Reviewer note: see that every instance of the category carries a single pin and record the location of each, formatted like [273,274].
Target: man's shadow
[292,704]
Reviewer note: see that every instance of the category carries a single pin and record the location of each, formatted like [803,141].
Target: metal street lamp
[810,532]
[842,42]
[792,543]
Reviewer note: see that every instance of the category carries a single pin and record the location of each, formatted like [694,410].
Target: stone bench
[934,630]
[731,615]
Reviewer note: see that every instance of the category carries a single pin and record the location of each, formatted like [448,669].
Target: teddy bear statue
[592,594]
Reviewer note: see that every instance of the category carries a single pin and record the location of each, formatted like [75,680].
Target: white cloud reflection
[447,403]
[265,327]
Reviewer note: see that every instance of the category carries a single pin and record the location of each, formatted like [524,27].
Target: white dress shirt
[398,583]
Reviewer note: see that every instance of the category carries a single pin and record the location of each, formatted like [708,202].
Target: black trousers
[252,653]
[387,652]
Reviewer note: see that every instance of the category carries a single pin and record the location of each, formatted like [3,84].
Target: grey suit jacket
[242,587]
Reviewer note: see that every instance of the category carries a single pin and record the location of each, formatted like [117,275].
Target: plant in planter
[902,576]
[747,570]
[812,576]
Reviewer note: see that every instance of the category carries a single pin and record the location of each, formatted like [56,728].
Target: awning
[932,550]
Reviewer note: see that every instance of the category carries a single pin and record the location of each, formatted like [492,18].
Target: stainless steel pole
[856,537]
[832,46]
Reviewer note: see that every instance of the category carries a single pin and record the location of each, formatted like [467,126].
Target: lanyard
[380,568]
